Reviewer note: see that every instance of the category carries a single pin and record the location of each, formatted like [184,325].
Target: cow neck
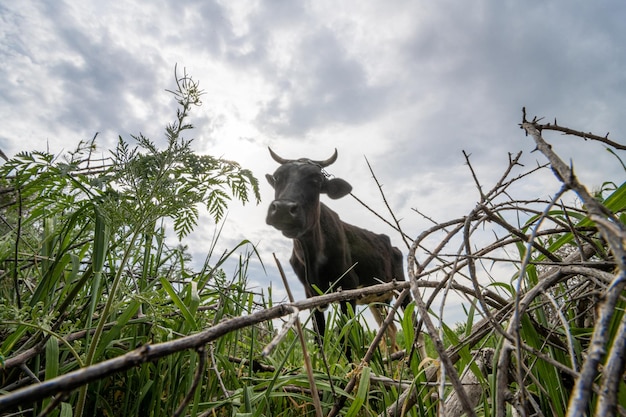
[312,248]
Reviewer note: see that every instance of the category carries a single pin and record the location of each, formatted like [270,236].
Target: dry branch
[471,382]
[559,267]
[369,354]
[78,378]
[500,316]
[448,364]
[408,398]
[613,231]
[305,352]
[585,135]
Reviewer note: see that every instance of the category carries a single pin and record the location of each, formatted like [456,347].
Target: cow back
[377,261]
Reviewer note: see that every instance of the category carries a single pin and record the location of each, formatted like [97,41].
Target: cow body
[328,253]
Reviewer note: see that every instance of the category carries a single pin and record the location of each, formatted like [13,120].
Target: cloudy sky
[407,84]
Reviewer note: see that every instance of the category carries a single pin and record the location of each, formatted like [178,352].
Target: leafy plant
[88,281]
[85,246]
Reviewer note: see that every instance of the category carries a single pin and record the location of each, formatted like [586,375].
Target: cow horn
[277,158]
[328,161]
[322,164]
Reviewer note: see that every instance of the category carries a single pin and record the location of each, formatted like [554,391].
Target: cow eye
[317,181]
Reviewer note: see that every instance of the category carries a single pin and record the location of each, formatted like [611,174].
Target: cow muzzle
[285,216]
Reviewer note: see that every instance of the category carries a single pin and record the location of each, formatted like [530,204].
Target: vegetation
[112,321]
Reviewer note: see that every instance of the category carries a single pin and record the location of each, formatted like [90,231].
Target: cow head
[297,186]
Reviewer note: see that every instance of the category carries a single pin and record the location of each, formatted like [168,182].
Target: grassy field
[99,316]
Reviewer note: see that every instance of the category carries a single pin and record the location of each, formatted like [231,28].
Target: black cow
[328,253]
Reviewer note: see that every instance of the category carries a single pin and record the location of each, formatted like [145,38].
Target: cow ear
[270,179]
[337,188]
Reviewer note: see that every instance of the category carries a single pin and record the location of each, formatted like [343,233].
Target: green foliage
[86,275]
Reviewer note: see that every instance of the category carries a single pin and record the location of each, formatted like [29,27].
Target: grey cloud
[206,25]
[483,65]
[323,86]
[208,28]
[96,90]
[463,74]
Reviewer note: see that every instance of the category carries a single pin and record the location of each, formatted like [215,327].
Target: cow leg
[379,311]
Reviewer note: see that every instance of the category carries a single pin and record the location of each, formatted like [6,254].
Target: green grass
[87,275]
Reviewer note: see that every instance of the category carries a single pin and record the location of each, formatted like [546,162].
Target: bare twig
[226,393]
[585,135]
[408,398]
[447,363]
[484,360]
[134,358]
[339,403]
[377,215]
[476,181]
[284,331]
[305,352]
[53,404]
[513,330]
[613,372]
[405,237]
[613,232]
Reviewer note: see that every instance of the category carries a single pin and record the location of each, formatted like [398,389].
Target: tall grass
[87,276]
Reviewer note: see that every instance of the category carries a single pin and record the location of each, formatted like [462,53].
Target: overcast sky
[407,84]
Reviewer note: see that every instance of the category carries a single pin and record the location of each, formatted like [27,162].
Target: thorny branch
[369,354]
[585,135]
[525,238]
[614,233]
[532,229]
[196,341]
